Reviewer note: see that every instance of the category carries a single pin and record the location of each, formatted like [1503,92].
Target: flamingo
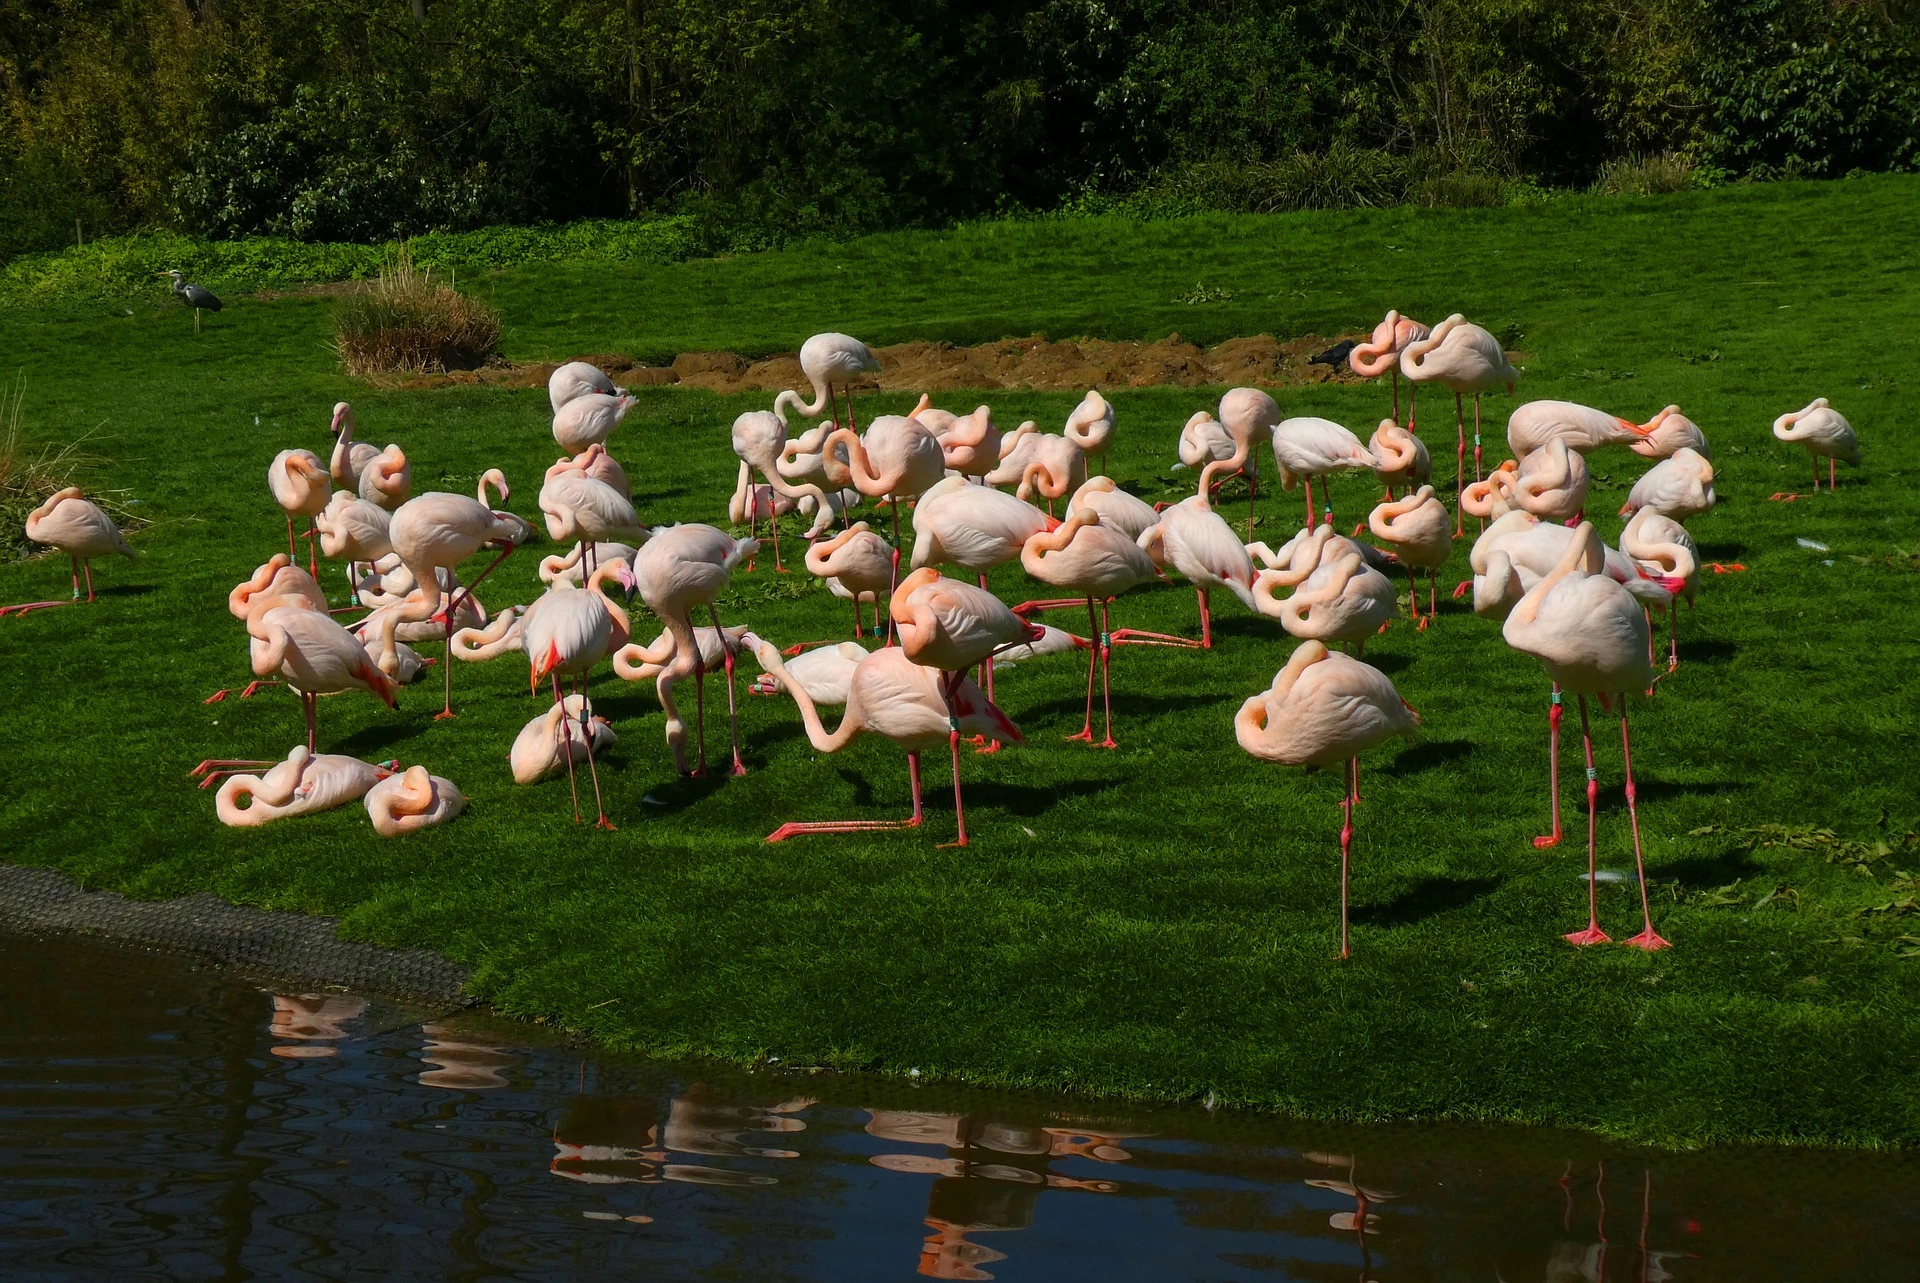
[1095,563]
[804,457]
[298,481]
[273,584]
[1198,542]
[1680,486]
[353,529]
[710,647]
[1416,526]
[1663,551]
[576,379]
[832,363]
[933,419]
[1532,425]
[1400,458]
[911,704]
[413,801]
[568,565]
[1032,460]
[1822,430]
[589,419]
[825,673]
[555,738]
[1090,425]
[974,527]
[1593,639]
[682,568]
[314,656]
[350,457]
[388,480]
[1461,357]
[1551,483]
[1342,600]
[1118,510]
[970,443]
[1666,432]
[1380,354]
[73,524]
[580,509]
[1323,709]
[861,562]
[433,533]
[896,460]
[759,438]
[1306,448]
[306,783]
[1248,415]
[1491,497]
[565,633]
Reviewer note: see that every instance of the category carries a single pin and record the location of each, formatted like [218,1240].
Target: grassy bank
[1156,921]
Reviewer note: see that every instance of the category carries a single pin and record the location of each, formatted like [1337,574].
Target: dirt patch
[1037,363]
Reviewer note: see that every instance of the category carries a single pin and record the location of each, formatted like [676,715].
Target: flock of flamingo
[977,498]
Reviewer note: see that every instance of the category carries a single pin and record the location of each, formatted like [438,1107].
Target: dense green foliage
[769,119]
[1156,921]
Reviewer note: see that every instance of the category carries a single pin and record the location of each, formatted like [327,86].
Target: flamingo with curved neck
[1380,354]
[832,363]
[416,800]
[1249,417]
[1461,357]
[862,562]
[1416,526]
[69,522]
[299,483]
[566,632]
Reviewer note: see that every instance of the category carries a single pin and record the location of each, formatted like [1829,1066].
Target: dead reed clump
[1655,175]
[405,323]
[28,476]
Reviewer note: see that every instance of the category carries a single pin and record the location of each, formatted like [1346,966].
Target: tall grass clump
[28,476]
[1655,175]
[404,323]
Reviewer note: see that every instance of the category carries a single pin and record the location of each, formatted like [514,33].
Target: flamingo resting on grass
[1825,434]
[911,704]
[824,672]
[1461,357]
[1325,709]
[1592,637]
[567,733]
[304,784]
[412,801]
[69,522]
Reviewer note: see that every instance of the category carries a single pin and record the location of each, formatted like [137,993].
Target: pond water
[160,1119]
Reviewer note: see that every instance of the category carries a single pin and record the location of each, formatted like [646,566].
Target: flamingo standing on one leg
[1197,541]
[833,363]
[298,481]
[1461,357]
[315,656]
[909,703]
[1592,637]
[1680,486]
[578,378]
[1325,709]
[1416,526]
[1095,564]
[1249,417]
[679,570]
[1306,448]
[565,633]
[1401,459]
[1033,461]
[1825,434]
[71,523]
[862,562]
[1090,425]
[1380,354]
[579,508]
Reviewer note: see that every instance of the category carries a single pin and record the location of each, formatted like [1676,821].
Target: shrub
[1655,175]
[1461,189]
[403,323]
[28,476]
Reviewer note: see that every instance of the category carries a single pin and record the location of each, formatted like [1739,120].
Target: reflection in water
[312,1021]
[153,1126]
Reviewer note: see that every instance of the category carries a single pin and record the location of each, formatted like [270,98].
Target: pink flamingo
[1416,527]
[1680,487]
[1096,564]
[350,457]
[759,436]
[576,379]
[589,419]
[1461,357]
[1401,459]
[1491,497]
[680,569]
[388,480]
[833,363]
[1325,709]
[581,509]
[298,481]
[1117,509]
[274,584]
[1090,425]
[862,562]
[1197,541]
[1342,600]
[970,443]
[433,533]
[566,632]
[1531,426]
[1551,483]
[1203,440]
[568,565]
[1593,639]
[1306,448]
[933,419]
[910,704]
[71,523]
[1825,434]
[1034,461]
[1249,417]
[315,656]
[409,802]
[896,460]
[1380,354]
[353,529]
[306,783]
[825,673]
[1664,552]
[1667,432]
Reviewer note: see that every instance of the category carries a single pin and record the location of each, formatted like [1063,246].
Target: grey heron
[194,296]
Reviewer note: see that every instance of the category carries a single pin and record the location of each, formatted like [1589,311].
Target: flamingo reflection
[310,1022]
[461,1062]
[1360,1222]
[624,1141]
[1575,1262]
[988,1181]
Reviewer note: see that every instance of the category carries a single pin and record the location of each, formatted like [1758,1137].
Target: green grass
[1157,921]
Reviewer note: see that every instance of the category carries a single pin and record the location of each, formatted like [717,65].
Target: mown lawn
[1157,921]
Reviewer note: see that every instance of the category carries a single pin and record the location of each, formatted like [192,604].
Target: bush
[1656,175]
[403,323]
[1461,189]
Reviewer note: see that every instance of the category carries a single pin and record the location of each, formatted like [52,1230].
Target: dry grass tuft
[27,478]
[1656,175]
[404,323]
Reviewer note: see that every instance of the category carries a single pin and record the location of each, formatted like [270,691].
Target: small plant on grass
[405,323]
[1461,189]
[1655,175]
[28,476]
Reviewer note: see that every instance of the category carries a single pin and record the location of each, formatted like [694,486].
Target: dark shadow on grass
[1704,872]
[370,740]
[1428,754]
[1124,705]
[1390,664]
[1427,898]
[1028,801]
[680,792]
[124,590]
[1647,789]
[1731,551]
[1706,651]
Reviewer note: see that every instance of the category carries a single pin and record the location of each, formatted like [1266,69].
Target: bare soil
[1035,363]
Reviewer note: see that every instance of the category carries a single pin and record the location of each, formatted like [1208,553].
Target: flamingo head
[342,416]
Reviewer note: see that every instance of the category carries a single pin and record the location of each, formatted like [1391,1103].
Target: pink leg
[1396,397]
[1460,465]
[1312,519]
[1648,939]
[1593,934]
[1093,662]
[1553,770]
[959,804]
[313,543]
[981,743]
[1673,634]
[699,702]
[86,568]
[293,552]
[1432,592]
[73,564]
[892,584]
[586,729]
[733,713]
[1206,621]
[1346,845]
[561,728]
[311,703]
[1413,600]
[786,831]
[1253,490]
[773,519]
[1105,641]
[1831,483]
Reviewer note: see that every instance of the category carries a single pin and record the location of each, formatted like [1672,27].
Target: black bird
[195,296]
[1333,355]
